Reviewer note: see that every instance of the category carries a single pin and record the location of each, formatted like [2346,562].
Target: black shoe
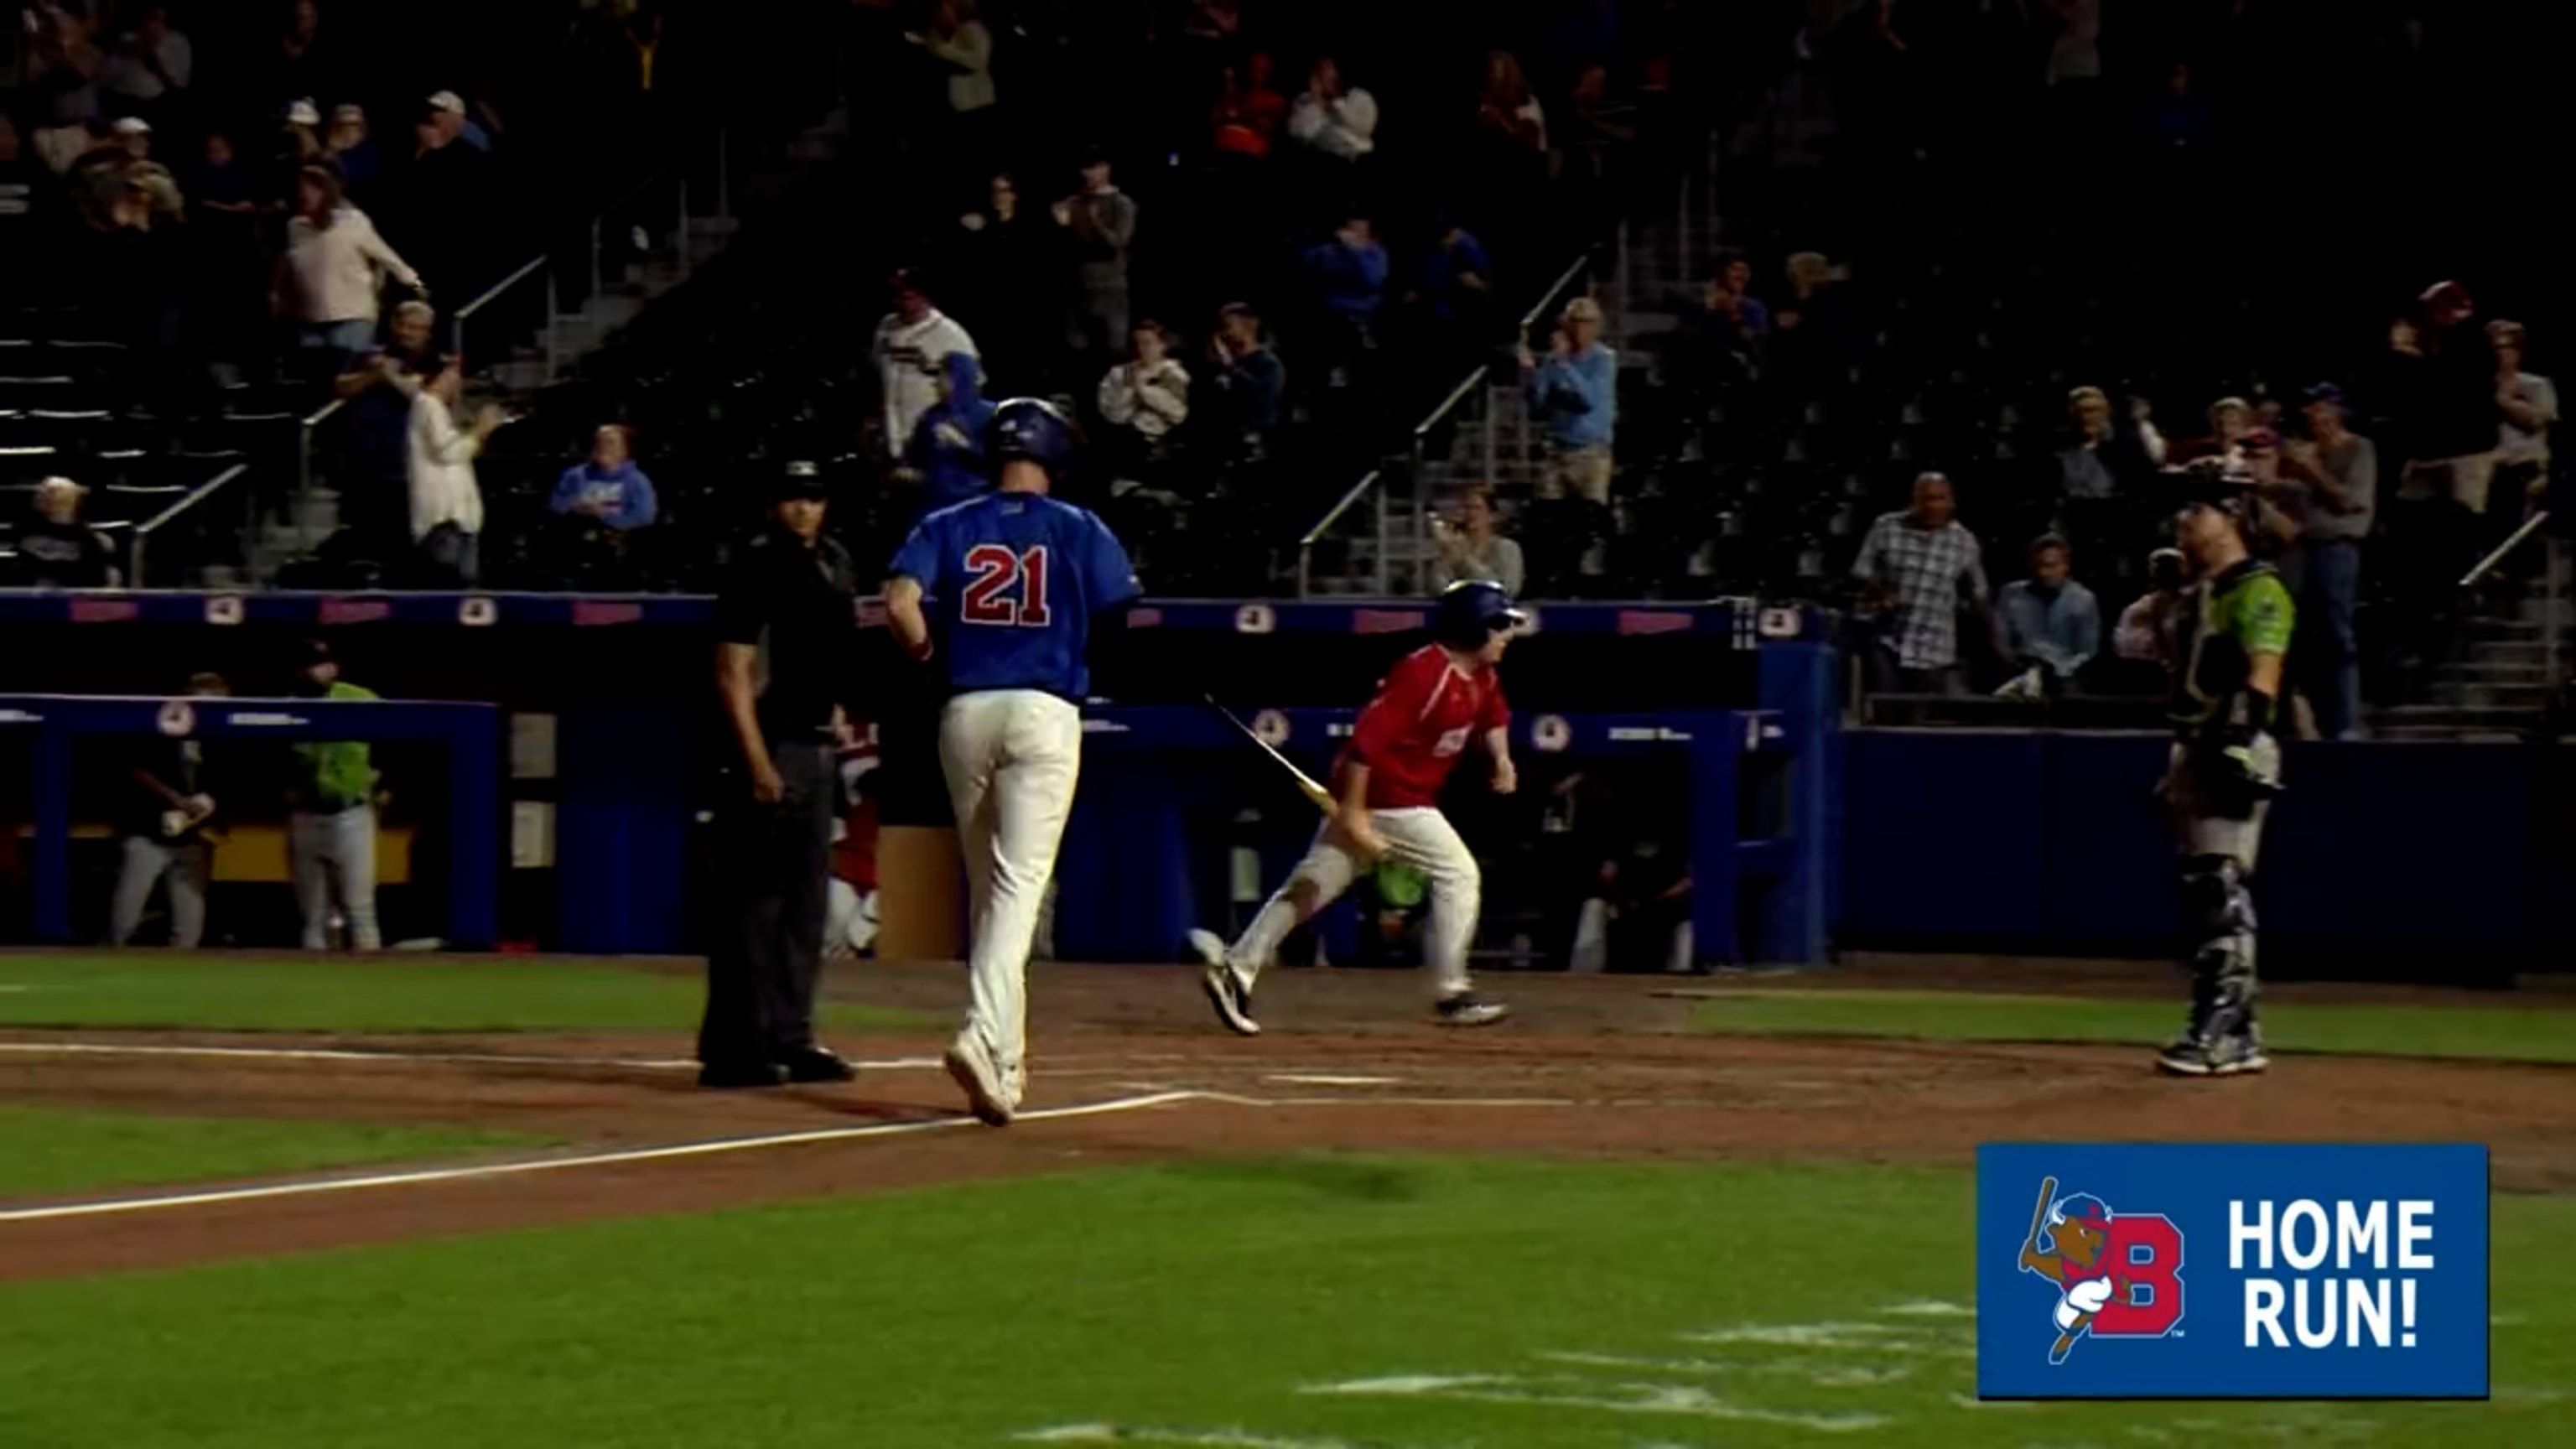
[2235,1055]
[817,1064]
[733,1076]
[1469,1009]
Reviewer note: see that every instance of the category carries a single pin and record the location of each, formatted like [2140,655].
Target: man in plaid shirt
[1921,564]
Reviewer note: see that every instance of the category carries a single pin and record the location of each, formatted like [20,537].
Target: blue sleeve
[1473,258]
[641,505]
[919,558]
[1601,396]
[1372,268]
[1108,579]
[567,490]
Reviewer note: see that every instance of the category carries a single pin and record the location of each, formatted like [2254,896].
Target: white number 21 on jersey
[1007,589]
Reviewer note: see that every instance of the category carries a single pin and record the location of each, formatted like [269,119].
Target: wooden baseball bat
[1306,785]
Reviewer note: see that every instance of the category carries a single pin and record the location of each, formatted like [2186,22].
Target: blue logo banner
[2144,1271]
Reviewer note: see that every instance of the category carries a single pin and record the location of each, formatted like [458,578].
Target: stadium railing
[185,510]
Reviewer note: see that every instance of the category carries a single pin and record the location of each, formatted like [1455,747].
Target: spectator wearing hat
[2529,407]
[334,267]
[911,348]
[1574,397]
[447,112]
[2340,470]
[57,549]
[1099,222]
[446,501]
[346,146]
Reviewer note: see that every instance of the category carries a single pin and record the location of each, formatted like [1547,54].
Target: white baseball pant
[1011,757]
[1420,837]
[185,864]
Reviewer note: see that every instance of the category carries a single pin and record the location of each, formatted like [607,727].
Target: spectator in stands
[911,344]
[1248,381]
[379,387]
[446,503]
[1144,400]
[2230,419]
[1012,258]
[1507,115]
[1508,160]
[1100,224]
[2052,625]
[119,171]
[334,267]
[963,49]
[2180,119]
[303,63]
[347,147]
[946,456]
[2100,460]
[1457,288]
[150,67]
[435,201]
[299,144]
[1349,272]
[1598,126]
[455,128]
[1471,548]
[2528,404]
[1741,316]
[2341,470]
[162,815]
[1248,115]
[1333,119]
[1918,568]
[606,491]
[1574,398]
[2149,629]
[59,69]
[57,550]
[331,827]
[2457,418]
[1810,333]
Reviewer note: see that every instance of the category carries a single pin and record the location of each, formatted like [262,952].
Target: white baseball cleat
[972,1067]
[1468,1009]
[1226,988]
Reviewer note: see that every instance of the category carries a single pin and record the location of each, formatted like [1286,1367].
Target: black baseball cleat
[1468,1009]
[735,1076]
[1226,988]
[817,1064]
[2235,1055]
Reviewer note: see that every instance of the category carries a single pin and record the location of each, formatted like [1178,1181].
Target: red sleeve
[1401,700]
[1497,712]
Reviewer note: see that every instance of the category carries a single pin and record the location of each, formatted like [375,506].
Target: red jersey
[1426,711]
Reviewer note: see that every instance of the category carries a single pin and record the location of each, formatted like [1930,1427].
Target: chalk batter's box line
[306,1187]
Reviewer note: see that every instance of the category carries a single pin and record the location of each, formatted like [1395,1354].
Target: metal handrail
[143,531]
[456,321]
[2487,565]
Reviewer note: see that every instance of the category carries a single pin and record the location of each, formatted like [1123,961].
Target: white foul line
[309,1186]
[357,1054]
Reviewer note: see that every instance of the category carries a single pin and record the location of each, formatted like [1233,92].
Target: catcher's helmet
[1471,611]
[1027,427]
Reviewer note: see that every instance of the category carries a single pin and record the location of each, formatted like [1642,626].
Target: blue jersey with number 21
[1015,579]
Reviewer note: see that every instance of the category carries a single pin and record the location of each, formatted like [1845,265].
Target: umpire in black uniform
[788,607]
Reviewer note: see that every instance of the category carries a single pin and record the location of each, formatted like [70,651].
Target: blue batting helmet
[1027,427]
[1471,611]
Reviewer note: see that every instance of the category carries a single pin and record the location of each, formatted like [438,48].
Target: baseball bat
[2039,1214]
[1306,785]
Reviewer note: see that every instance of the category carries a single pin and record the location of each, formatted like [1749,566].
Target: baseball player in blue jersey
[1018,583]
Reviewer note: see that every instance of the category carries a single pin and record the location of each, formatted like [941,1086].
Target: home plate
[1321,1079]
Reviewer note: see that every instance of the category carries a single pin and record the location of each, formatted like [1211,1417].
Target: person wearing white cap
[447,111]
[348,148]
[334,265]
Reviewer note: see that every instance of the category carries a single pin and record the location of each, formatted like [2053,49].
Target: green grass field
[45,1152]
[1300,1302]
[253,993]
[2484,1033]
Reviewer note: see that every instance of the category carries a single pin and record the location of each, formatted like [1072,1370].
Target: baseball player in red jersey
[1435,703]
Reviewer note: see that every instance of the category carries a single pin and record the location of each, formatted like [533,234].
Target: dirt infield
[1590,1066]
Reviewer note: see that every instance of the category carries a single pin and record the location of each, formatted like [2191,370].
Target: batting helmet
[1029,428]
[1471,611]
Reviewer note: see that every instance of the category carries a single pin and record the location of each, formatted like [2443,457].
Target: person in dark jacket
[57,550]
[169,800]
[947,449]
